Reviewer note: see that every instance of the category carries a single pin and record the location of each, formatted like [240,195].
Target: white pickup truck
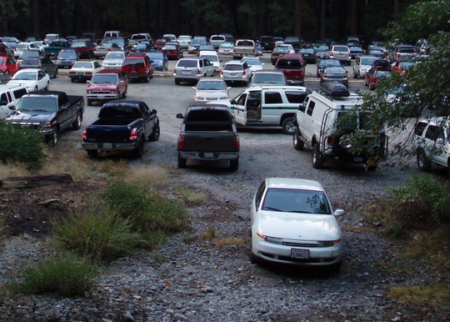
[267,107]
[244,47]
[136,38]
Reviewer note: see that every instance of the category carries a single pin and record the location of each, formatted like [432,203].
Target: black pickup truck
[49,112]
[208,133]
[122,126]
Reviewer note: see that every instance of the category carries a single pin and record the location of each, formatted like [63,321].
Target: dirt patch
[30,211]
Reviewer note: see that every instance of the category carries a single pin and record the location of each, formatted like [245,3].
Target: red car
[138,67]
[107,84]
[374,75]
[173,51]
[84,47]
[8,65]
[160,43]
[293,67]
[402,66]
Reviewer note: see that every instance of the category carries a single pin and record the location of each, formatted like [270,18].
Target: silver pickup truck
[244,47]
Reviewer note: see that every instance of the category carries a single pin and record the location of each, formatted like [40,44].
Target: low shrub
[21,145]
[433,295]
[423,203]
[64,274]
[98,233]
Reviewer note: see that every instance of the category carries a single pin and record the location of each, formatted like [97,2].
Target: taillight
[199,71]
[84,136]
[181,141]
[330,140]
[398,55]
[236,142]
[243,73]
[349,54]
[133,135]
[331,54]
[221,72]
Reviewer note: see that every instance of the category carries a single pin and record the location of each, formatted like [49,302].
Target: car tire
[46,88]
[365,81]
[177,81]
[139,151]
[72,80]
[155,134]
[355,75]
[76,125]
[89,102]
[423,162]
[288,125]
[298,143]
[317,158]
[371,88]
[147,79]
[254,259]
[92,153]
[182,163]
[55,138]
[234,164]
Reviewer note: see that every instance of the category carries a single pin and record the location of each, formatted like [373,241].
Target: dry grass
[433,295]
[114,168]
[222,241]
[151,176]
[12,170]
[359,229]
[190,196]
[210,233]
[394,266]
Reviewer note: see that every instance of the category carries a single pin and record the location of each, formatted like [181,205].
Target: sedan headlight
[46,124]
[329,243]
[273,240]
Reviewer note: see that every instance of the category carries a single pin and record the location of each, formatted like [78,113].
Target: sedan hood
[300,226]
[113,61]
[212,94]
[31,117]
[26,83]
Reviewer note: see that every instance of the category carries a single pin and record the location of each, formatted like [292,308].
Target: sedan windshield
[25,76]
[296,201]
[67,54]
[211,86]
[115,56]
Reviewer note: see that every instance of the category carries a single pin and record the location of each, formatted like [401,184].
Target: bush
[21,145]
[64,274]
[423,203]
[148,212]
[99,234]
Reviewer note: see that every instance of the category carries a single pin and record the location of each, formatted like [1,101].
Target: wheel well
[313,141]
[285,116]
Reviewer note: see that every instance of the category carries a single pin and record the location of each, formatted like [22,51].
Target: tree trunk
[298,19]
[35,19]
[322,19]
[36,181]
[396,2]
[353,19]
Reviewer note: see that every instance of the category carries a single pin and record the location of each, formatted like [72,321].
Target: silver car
[114,60]
[334,74]
[211,89]
[236,71]
[362,65]
[341,53]
[192,69]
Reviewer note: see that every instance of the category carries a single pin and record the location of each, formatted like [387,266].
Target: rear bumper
[92,146]
[187,78]
[296,81]
[81,77]
[216,156]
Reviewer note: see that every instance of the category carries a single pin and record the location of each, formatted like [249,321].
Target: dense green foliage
[21,145]
[64,274]
[247,18]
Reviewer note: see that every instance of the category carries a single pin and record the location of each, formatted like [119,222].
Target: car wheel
[77,123]
[92,153]
[72,80]
[155,134]
[147,79]
[298,143]
[234,164]
[181,162]
[288,125]
[371,87]
[139,151]
[423,162]
[89,102]
[118,96]
[36,88]
[317,158]
[365,82]
[254,259]
[335,268]
[355,75]
[55,138]
[177,81]
[124,95]
[47,86]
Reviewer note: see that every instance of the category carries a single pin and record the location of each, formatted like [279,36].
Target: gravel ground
[193,278]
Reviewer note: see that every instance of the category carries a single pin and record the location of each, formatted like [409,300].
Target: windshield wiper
[38,110]
[300,211]
[272,208]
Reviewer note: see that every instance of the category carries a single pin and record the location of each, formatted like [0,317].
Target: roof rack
[334,90]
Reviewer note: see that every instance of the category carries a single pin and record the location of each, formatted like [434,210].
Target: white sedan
[211,89]
[84,70]
[114,60]
[32,78]
[292,222]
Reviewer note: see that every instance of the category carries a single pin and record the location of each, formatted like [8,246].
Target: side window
[419,128]
[259,194]
[310,108]
[433,133]
[9,96]
[201,62]
[273,98]
[241,100]
[3,99]
[19,93]
[96,65]
[296,97]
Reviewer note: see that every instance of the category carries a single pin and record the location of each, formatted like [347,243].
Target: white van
[9,96]
[112,34]
[213,59]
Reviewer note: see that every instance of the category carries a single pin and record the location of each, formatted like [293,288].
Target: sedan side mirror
[193,87]
[180,116]
[339,212]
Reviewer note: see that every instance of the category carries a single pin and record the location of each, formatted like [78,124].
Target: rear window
[262,78]
[138,37]
[208,116]
[245,43]
[170,47]
[406,50]
[296,97]
[340,48]
[187,63]
[233,67]
[267,39]
[120,112]
[78,44]
[30,62]
[420,127]
[218,38]
[19,93]
[133,62]
[289,63]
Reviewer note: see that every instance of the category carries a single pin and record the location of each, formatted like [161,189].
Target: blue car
[160,60]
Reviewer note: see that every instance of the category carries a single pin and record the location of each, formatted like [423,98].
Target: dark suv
[267,42]
[294,41]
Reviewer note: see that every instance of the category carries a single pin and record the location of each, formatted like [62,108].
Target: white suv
[341,53]
[431,142]
[316,125]
[236,71]
[192,69]
[9,96]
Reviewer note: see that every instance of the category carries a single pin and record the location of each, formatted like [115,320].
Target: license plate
[358,159]
[208,155]
[107,146]
[299,253]
[186,72]
[80,73]
[233,75]
[133,70]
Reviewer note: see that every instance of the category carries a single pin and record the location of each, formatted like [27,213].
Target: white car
[84,70]
[24,46]
[184,41]
[254,63]
[226,48]
[32,79]
[212,57]
[211,89]
[114,60]
[236,71]
[290,47]
[292,222]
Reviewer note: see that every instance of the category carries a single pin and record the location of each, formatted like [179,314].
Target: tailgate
[293,74]
[186,71]
[108,133]
[209,141]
